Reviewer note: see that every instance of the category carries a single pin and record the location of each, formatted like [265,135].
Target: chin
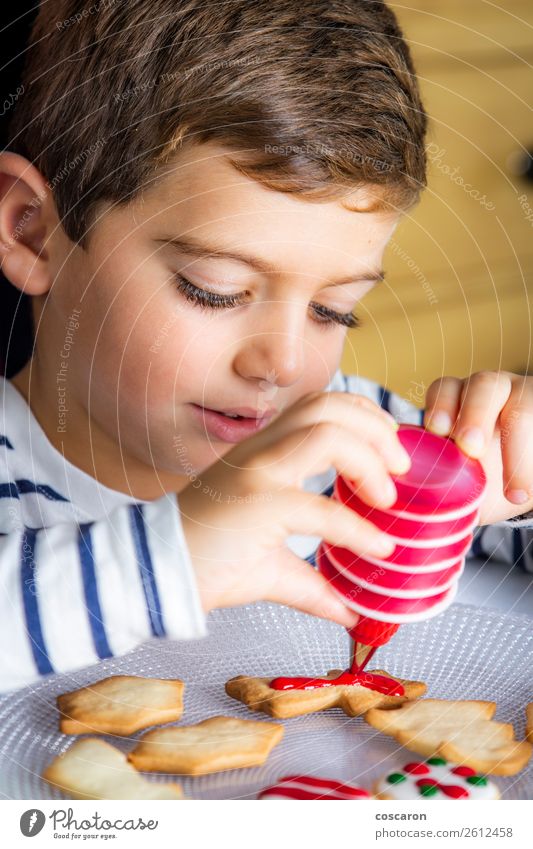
[190,457]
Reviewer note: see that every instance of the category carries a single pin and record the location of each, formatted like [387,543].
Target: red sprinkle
[450,790]
[464,770]
[417,768]
[455,792]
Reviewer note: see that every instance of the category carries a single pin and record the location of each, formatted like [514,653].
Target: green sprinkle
[436,761]
[395,778]
[480,780]
[428,789]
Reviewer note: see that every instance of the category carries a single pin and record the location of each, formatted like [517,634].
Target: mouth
[234,424]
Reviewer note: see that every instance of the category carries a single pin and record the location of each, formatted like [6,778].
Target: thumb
[300,586]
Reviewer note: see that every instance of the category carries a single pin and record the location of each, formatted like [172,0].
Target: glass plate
[465,653]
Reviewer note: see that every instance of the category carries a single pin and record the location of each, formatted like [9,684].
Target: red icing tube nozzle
[367,636]
[370,632]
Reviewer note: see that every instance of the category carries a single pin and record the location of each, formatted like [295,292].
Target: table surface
[491,583]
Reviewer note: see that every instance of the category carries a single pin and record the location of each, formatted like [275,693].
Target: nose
[273,350]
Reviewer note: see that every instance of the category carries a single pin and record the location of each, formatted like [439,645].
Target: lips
[243,412]
[233,424]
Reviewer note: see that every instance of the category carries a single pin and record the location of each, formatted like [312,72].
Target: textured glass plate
[465,653]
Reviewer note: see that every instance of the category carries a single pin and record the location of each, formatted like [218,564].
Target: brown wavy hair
[313,98]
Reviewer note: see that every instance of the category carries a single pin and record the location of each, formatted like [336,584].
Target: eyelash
[212,300]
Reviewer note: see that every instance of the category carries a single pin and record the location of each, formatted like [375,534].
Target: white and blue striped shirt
[87,572]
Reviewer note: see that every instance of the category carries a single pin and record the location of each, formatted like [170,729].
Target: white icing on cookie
[441,773]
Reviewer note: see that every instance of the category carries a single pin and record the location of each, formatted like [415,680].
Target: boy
[195,198]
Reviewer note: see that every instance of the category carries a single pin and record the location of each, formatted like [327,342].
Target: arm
[73,594]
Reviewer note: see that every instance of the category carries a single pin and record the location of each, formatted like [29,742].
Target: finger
[357,414]
[442,405]
[302,587]
[516,427]
[344,402]
[377,431]
[308,451]
[483,397]
[374,430]
[317,515]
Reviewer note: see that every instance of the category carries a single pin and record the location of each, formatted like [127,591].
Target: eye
[205,299]
[322,315]
[326,316]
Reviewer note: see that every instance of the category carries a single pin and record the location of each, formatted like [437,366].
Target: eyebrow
[202,250]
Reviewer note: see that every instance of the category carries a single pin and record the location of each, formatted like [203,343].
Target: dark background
[17,19]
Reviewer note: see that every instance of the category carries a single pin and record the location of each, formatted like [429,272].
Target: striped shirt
[87,572]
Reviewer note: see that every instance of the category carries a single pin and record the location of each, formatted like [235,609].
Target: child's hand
[490,416]
[239,512]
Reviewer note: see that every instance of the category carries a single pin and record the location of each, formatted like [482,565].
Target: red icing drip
[314,788]
[296,793]
[379,683]
[450,790]
[328,783]
[464,771]
[311,795]
[416,768]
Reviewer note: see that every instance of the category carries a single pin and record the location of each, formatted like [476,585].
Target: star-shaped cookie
[353,699]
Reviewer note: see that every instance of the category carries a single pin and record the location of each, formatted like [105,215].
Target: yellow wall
[460,267]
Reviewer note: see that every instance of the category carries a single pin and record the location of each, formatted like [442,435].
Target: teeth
[232,415]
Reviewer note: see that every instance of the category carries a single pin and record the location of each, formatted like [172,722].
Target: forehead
[203,194]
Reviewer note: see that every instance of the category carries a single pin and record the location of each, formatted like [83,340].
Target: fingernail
[440,423]
[472,440]
[351,620]
[517,496]
[382,546]
[388,494]
[343,614]
[401,463]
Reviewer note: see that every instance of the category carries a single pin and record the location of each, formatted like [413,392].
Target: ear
[27,213]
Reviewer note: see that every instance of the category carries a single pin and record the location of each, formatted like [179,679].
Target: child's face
[145,358]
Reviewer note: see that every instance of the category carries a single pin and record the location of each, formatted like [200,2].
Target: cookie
[435,779]
[210,746]
[121,704]
[94,769]
[460,731]
[309,787]
[353,699]
[529,722]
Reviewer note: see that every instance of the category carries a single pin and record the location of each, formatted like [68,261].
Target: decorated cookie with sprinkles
[309,787]
[436,779]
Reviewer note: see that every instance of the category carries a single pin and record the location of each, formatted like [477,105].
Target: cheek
[168,357]
[324,359]
[324,355]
